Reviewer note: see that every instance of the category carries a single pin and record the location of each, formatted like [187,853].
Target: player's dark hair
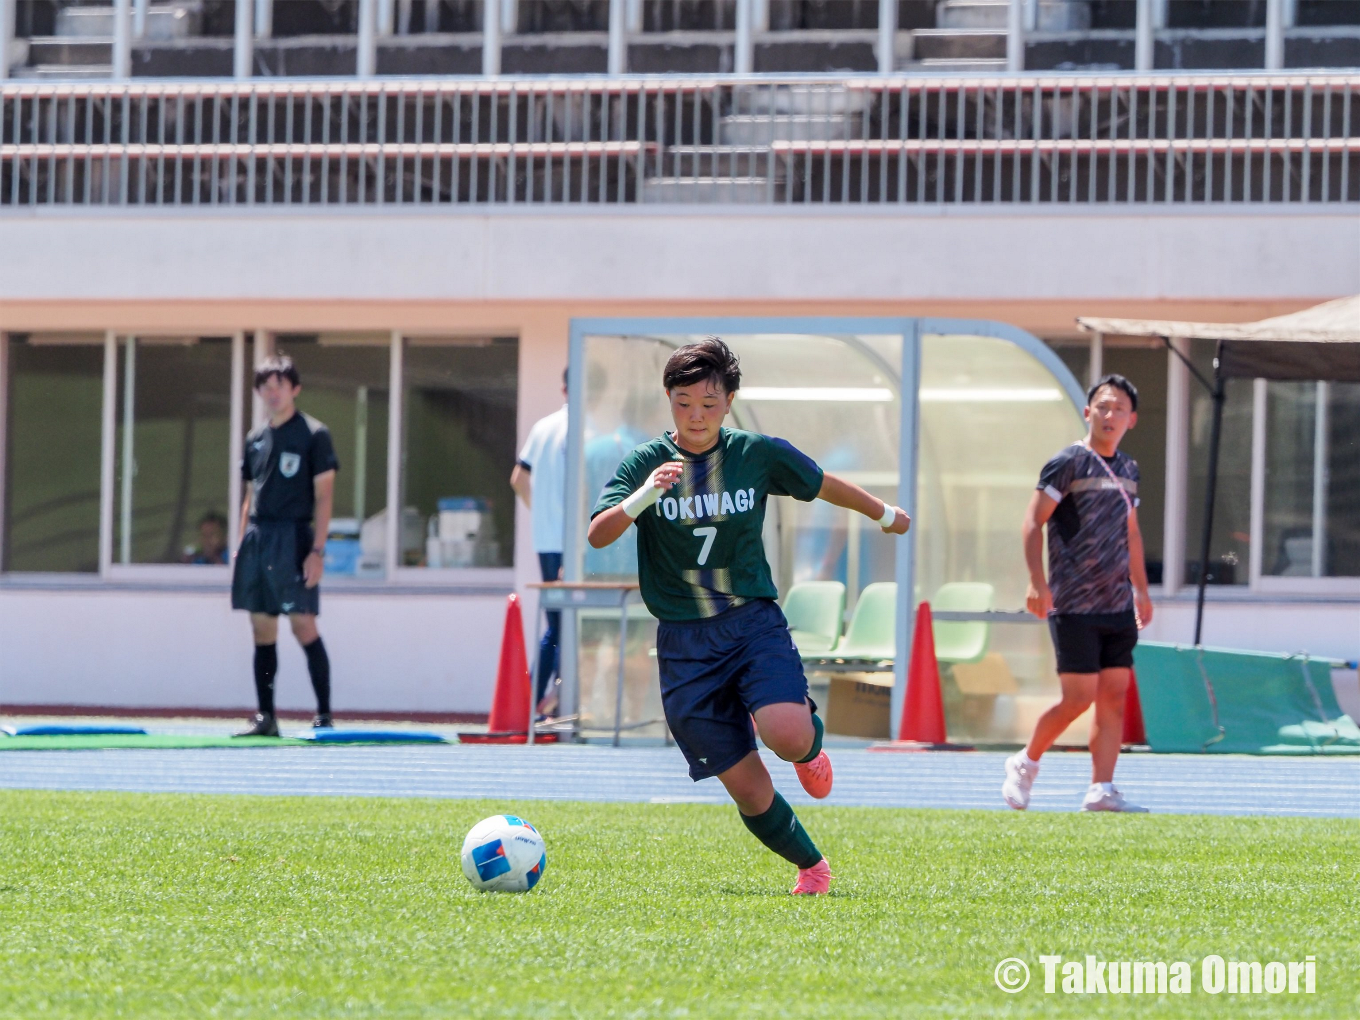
[280,365]
[1119,383]
[213,517]
[709,358]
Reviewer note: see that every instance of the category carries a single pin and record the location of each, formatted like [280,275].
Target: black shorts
[1090,642]
[716,672]
[267,574]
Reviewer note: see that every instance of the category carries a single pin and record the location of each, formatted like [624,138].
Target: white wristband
[889,516]
[640,501]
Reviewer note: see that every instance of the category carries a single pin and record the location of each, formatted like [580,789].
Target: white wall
[120,648]
[1323,629]
[1043,253]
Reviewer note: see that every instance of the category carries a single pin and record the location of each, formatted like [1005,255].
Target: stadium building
[890,205]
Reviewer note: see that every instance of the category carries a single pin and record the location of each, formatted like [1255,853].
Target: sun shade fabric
[1267,704]
[1322,342]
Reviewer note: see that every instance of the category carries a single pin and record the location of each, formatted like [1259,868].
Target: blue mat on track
[74,731]
[374,737]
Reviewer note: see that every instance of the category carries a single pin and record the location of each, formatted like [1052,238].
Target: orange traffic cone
[511,704]
[923,708]
[1134,733]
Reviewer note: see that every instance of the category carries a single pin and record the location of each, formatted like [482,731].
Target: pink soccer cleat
[815,775]
[814,881]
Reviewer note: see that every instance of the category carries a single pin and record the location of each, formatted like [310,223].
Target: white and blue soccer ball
[504,853]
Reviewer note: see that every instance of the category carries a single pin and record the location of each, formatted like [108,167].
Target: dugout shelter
[949,419]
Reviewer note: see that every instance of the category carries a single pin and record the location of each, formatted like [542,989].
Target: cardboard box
[859,705]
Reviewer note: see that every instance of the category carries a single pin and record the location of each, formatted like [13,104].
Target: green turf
[130,905]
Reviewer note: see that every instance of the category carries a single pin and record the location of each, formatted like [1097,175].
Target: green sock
[817,729]
[780,830]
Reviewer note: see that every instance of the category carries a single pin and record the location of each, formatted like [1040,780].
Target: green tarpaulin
[1213,699]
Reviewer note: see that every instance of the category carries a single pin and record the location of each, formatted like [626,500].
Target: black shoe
[323,722]
[263,726]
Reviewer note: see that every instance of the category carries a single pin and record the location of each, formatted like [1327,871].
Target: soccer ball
[504,854]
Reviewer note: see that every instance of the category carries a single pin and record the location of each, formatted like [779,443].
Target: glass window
[1228,555]
[173,450]
[55,397]
[345,381]
[1145,367]
[458,449]
[1312,483]
[1076,355]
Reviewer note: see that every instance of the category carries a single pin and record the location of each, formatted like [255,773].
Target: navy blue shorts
[267,574]
[1090,642]
[716,672]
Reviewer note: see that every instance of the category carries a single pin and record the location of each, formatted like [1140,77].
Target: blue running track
[1183,784]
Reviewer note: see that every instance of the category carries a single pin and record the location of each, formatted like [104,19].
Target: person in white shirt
[540,480]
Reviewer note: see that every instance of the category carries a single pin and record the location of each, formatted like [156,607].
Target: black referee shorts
[267,576]
[1090,642]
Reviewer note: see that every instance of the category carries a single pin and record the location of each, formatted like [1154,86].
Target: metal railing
[1246,138]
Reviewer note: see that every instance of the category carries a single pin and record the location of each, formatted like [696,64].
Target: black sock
[266,665]
[781,831]
[319,666]
[818,729]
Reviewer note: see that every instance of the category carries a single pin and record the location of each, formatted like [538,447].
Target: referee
[289,469]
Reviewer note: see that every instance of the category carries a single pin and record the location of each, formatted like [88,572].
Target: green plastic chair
[959,640]
[814,610]
[872,633]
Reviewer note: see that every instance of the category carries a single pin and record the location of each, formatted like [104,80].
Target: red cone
[923,708]
[1134,733]
[510,705]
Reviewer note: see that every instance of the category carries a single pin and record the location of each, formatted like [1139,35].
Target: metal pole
[1145,38]
[386,15]
[108,451]
[491,37]
[617,61]
[394,519]
[7,13]
[634,18]
[360,454]
[1097,366]
[1274,35]
[743,57]
[509,17]
[243,53]
[264,19]
[129,451]
[760,15]
[236,441]
[366,61]
[1321,457]
[887,36]
[139,12]
[623,659]
[122,43]
[1015,36]
[1210,495]
[904,566]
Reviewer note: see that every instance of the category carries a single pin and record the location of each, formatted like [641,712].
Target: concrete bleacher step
[704,190]
[761,129]
[51,50]
[1053,15]
[164,22]
[64,72]
[792,99]
[976,65]
[958,44]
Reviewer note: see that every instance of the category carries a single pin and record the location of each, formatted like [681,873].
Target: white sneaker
[1019,778]
[1109,800]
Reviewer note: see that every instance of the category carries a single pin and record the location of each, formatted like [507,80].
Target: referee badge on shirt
[289,464]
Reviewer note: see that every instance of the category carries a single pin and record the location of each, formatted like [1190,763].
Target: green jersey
[700,550]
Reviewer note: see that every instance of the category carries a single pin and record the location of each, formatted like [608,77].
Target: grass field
[129,905]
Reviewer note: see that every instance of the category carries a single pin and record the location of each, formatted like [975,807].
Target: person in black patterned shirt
[1095,597]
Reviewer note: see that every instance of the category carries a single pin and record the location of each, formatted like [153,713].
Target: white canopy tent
[1320,343]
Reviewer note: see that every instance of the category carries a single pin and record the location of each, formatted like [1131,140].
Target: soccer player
[1096,594]
[697,496]
[289,469]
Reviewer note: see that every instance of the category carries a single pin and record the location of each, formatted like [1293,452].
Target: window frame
[184,575]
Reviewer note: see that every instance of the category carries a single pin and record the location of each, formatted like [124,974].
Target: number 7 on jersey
[708,535]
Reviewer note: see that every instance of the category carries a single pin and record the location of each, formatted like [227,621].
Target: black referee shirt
[281,463]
